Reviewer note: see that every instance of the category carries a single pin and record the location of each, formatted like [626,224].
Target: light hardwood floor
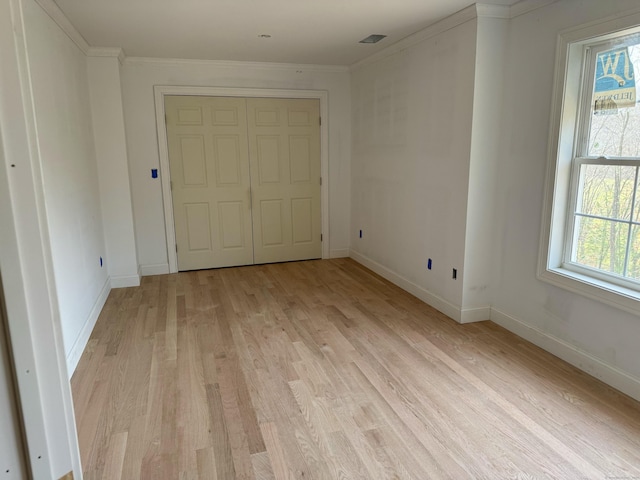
[323,370]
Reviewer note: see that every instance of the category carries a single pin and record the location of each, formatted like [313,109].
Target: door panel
[189,115]
[266,115]
[194,165]
[223,116]
[198,226]
[302,220]
[299,118]
[232,225]
[269,159]
[300,155]
[273,233]
[284,146]
[208,157]
[227,157]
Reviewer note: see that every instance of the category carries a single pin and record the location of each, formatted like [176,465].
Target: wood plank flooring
[323,370]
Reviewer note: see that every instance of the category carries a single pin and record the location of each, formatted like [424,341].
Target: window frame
[574,193]
[567,129]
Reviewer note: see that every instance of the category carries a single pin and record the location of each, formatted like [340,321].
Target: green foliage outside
[608,191]
[611,243]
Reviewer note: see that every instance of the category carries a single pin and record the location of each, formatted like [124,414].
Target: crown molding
[107,52]
[299,68]
[526,6]
[437,28]
[493,11]
[477,10]
[58,16]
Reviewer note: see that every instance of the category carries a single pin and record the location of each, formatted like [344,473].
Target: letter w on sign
[615,83]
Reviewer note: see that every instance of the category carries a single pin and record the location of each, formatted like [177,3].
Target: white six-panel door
[210,185]
[245,176]
[284,151]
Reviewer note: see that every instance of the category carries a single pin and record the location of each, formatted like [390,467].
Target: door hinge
[320,180]
[166,119]
[171,185]
[320,237]
[320,120]
[176,248]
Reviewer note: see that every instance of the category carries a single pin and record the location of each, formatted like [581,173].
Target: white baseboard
[73,357]
[339,253]
[158,269]
[122,281]
[426,296]
[478,314]
[586,362]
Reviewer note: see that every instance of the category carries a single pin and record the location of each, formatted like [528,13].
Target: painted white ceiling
[321,32]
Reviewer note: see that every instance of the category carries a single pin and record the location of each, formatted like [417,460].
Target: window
[591,227]
[604,236]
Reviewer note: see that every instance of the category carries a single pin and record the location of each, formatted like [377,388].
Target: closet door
[284,152]
[208,157]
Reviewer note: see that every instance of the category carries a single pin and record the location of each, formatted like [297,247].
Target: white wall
[601,339]
[12,454]
[412,115]
[461,177]
[26,261]
[120,260]
[139,77]
[65,141]
[486,135]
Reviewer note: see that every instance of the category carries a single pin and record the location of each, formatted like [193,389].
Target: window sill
[593,288]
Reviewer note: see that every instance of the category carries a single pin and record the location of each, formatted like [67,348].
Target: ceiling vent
[375,38]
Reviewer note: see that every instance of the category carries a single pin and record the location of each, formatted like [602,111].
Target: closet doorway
[245,179]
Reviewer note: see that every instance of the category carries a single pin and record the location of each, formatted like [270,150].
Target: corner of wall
[339,253]
[124,281]
[486,131]
[112,164]
[157,269]
[58,16]
[453,311]
[476,314]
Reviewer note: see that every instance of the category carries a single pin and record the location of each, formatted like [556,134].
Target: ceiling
[320,32]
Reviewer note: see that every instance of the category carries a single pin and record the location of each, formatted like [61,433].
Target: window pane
[607,190]
[633,266]
[601,244]
[615,112]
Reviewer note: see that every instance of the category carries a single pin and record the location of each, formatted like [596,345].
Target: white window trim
[563,125]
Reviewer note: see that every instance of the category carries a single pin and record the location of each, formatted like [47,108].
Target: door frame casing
[160,91]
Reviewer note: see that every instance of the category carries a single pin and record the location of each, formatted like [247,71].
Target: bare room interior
[321,241]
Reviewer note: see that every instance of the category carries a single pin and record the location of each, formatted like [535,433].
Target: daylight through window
[603,237]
